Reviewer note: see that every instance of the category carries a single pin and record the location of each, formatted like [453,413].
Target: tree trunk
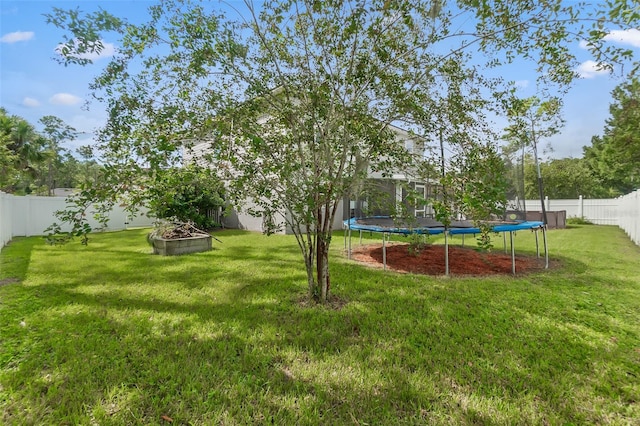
[322,268]
[308,260]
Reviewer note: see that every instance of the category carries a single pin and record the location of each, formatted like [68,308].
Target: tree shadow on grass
[15,258]
[231,345]
[124,360]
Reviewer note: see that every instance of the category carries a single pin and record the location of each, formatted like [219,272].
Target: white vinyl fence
[29,215]
[629,215]
[599,211]
[623,211]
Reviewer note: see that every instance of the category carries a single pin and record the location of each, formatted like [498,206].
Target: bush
[578,221]
[187,194]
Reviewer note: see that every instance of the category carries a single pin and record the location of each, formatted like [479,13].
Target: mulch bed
[431,260]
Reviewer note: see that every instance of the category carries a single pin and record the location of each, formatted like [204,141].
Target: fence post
[29,221]
[580,207]
[3,219]
[547,202]
[636,215]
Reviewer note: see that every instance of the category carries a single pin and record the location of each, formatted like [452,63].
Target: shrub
[187,194]
[578,221]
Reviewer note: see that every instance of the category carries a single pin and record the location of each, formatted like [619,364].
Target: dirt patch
[6,281]
[333,302]
[431,260]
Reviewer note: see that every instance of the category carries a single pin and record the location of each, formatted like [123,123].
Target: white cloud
[630,36]
[77,143]
[584,45]
[590,69]
[522,84]
[108,50]
[17,36]
[30,102]
[64,99]
[12,11]
[85,123]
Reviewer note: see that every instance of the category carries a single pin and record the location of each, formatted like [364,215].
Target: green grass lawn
[110,334]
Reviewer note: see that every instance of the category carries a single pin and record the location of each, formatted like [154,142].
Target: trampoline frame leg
[546,249]
[504,242]
[513,253]
[345,237]
[446,253]
[384,251]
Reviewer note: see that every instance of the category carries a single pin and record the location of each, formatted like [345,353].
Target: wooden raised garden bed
[171,247]
[179,239]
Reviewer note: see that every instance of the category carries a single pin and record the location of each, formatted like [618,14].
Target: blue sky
[33,84]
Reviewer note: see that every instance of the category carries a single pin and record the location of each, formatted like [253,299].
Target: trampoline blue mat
[431,226]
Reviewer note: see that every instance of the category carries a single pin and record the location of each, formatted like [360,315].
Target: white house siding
[242,220]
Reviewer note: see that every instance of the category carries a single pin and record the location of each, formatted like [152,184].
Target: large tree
[297,97]
[532,120]
[55,132]
[8,157]
[23,153]
[565,178]
[615,156]
[35,161]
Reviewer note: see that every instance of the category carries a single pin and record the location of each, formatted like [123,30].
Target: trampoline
[425,226]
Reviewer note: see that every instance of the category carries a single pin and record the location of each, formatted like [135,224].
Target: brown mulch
[431,260]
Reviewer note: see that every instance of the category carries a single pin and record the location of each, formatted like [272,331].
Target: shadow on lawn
[15,258]
[271,362]
[408,350]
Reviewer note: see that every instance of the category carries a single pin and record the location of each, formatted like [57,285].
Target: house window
[422,208]
[358,208]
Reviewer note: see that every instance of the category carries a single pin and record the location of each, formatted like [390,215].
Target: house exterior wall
[243,220]
[347,208]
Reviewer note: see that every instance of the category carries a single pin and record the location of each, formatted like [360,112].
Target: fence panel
[6,219]
[629,215]
[599,211]
[25,216]
[623,211]
[32,215]
[602,212]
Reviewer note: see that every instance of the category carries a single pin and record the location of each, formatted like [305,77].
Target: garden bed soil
[431,260]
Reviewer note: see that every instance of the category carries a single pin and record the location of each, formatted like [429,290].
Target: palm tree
[25,147]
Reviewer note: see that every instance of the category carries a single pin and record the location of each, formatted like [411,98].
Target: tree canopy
[35,161]
[615,156]
[297,98]
[188,194]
